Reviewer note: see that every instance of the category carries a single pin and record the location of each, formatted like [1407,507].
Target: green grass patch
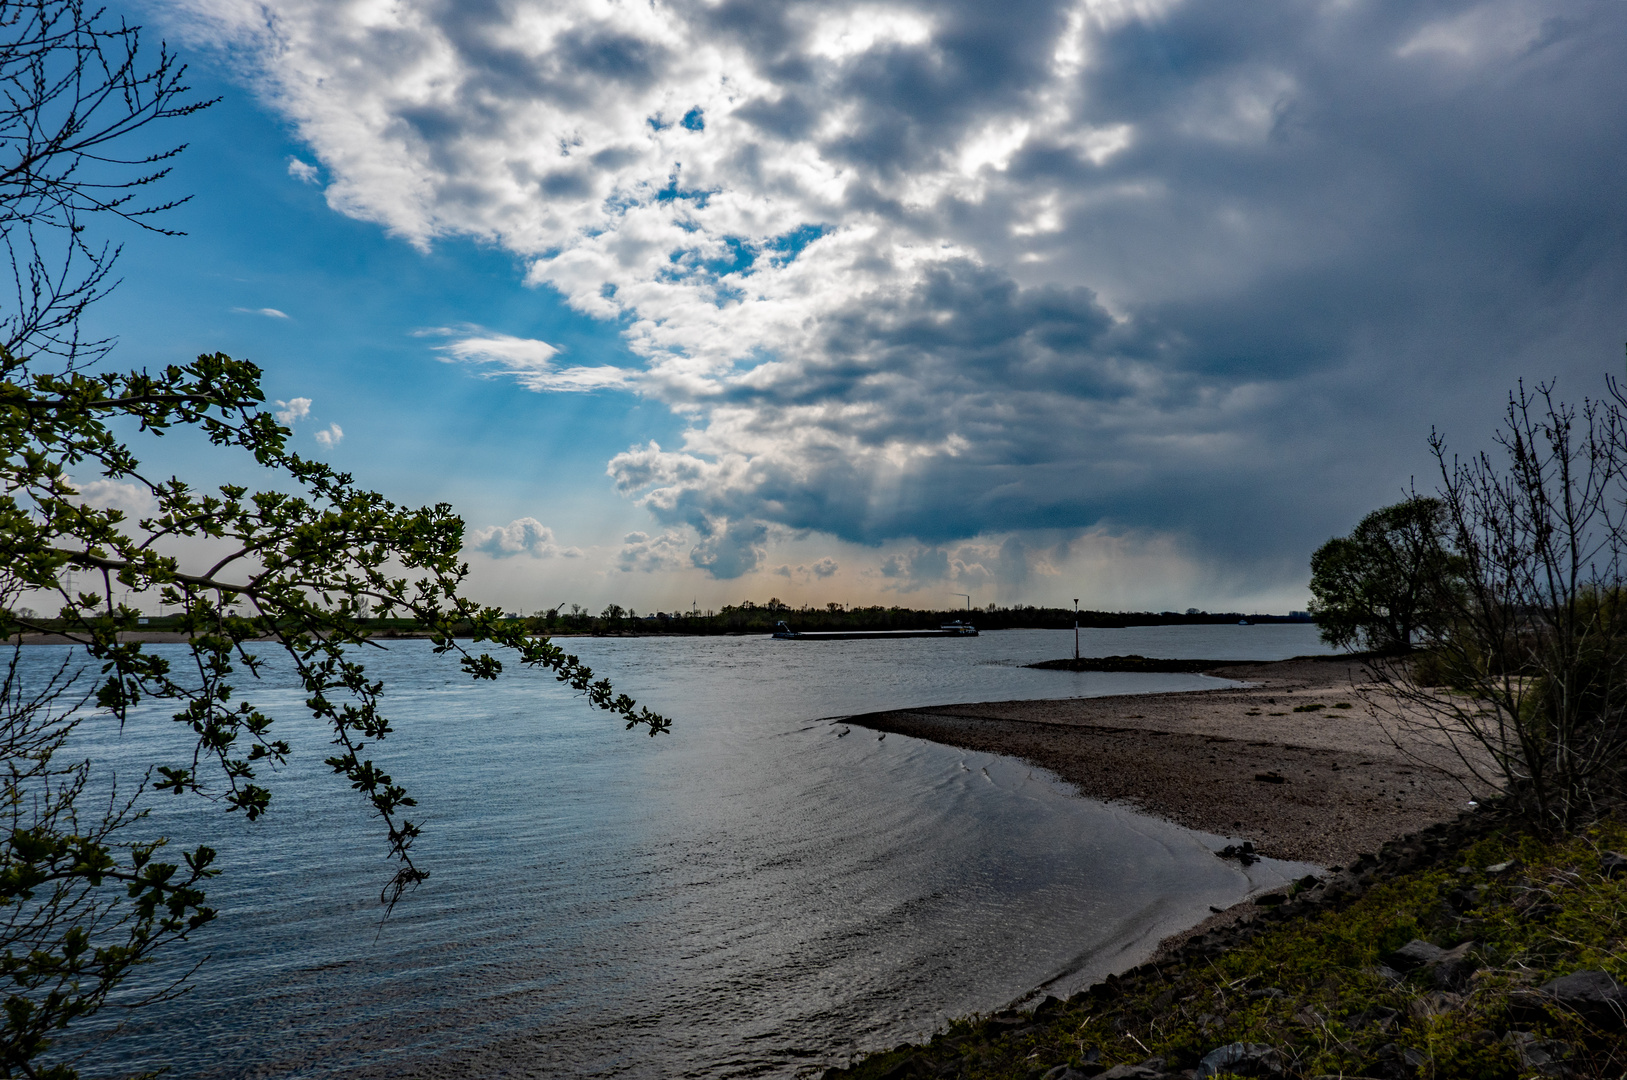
[1312,986]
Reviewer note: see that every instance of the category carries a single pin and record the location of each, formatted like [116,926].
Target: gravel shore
[1320,785]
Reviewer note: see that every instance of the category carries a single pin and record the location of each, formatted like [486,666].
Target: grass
[1312,986]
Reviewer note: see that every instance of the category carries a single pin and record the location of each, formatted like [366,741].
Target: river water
[755,894]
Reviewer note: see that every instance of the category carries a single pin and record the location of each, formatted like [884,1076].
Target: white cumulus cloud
[331,436]
[293,410]
[522,536]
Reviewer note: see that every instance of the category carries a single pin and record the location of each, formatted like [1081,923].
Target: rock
[1414,955]
[1613,864]
[1270,899]
[1593,995]
[1464,899]
[1502,867]
[1050,1005]
[1396,1060]
[1240,1059]
[1131,1072]
[1455,967]
[1266,992]
[1068,1072]
[1544,1056]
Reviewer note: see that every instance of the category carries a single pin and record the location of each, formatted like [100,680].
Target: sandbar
[1315,785]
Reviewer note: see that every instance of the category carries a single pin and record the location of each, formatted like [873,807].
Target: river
[754,894]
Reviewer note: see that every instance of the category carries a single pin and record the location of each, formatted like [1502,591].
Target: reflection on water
[754,894]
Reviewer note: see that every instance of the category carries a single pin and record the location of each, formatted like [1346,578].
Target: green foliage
[1386,584]
[298,567]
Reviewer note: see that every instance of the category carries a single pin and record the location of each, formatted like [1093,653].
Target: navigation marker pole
[1076,628]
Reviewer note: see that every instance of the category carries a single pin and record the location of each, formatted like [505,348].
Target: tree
[1385,585]
[74,90]
[293,564]
[1528,680]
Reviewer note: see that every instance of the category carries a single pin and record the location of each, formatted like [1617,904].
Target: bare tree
[75,93]
[1528,681]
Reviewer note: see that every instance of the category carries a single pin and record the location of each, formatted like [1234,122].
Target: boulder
[1413,955]
[1068,1072]
[1132,1072]
[1240,1059]
[1455,967]
[1544,1056]
[1594,995]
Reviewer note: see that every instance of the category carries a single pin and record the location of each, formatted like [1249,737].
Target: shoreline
[1297,760]
[1256,762]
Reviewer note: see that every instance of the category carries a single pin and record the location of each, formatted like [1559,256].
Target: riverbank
[1301,761]
[1473,950]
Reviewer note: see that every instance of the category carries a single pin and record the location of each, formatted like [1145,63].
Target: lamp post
[1076,628]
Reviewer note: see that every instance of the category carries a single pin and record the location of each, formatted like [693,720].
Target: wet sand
[1320,786]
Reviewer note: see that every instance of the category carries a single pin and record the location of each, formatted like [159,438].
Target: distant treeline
[753,618]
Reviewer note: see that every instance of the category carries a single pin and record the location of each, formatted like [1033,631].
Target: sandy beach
[1318,785]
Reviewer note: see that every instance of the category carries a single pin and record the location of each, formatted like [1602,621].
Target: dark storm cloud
[1199,270]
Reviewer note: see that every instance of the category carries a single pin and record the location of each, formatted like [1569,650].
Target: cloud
[642,552]
[522,536]
[133,499]
[331,436]
[268,312]
[529,362]
[304,172]
[926,273]
[822,569]
[293,410]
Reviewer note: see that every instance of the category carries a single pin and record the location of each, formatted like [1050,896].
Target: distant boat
[1244,622]
[954,629]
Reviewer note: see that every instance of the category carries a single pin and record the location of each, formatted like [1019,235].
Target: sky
[1133,301]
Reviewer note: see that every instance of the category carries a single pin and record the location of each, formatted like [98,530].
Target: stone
[1068,1072]
[1544,1056]
[1613,864]
[1455,967]
[1592,994]
[1131,1072]
[1414,955]
[1397,1060]
[1240,1059]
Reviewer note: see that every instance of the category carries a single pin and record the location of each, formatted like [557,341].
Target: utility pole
[1076,628]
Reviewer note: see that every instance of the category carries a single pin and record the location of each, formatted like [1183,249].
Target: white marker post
[1076,628]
